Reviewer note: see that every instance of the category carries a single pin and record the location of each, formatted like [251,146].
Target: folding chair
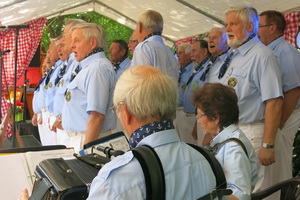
[289,190]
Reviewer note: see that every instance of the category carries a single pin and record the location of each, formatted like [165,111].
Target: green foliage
[113,30]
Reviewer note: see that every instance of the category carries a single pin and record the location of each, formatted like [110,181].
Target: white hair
[152,21]
[247,14]
[187,47]
[91,30]
[147,93]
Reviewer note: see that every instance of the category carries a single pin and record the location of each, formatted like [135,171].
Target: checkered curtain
[28,41]
[292,28]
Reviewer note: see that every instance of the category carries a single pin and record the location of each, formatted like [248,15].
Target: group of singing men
[73,102]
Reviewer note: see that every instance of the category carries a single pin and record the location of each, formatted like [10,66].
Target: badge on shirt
[183,86]
[62,82]
[46,87]
[232,82]
[194,85]
[50,85]
[58,84]
[68,96]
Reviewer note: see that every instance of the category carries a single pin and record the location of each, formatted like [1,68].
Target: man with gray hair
[86,114]
[252,70]
[151,49]
[182,123]
[145,100]
[63,79]
[271,30]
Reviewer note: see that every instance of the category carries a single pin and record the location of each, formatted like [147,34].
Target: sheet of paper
[13,176]
[35,157]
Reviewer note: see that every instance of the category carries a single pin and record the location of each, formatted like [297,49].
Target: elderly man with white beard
[252,70]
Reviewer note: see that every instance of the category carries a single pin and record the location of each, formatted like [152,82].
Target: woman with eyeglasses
[218,114]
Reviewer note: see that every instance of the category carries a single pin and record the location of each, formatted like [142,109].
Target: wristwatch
[267,146]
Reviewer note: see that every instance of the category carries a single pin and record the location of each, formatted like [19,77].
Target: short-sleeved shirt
[51,88]
[154,52]
[123,66]
[240,170]
[212,75]
[91,90]
[289,64]
[254,74]
[184,77]
[61,86]
[188,175]
[190,88]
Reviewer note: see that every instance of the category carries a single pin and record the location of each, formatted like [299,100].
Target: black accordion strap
[153,172]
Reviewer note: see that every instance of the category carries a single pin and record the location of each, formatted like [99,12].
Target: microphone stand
[17,27]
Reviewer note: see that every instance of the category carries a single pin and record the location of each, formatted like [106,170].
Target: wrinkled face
[80,45]
[67,39]
[53,55]
[183,58]
[115,52]
[216,43]
[61,50]
[133,42]
[197,54]
[264,30]
[236,30]
[210,127]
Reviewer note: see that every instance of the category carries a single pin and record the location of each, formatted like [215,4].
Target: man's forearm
[94,126]
[272,119]
[290,101]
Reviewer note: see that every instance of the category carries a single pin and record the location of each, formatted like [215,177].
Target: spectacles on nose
[113,108]
[198,116]
[260,26]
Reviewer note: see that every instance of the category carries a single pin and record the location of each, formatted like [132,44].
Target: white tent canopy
[182,18]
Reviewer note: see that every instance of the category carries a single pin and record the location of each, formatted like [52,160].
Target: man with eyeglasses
[271,29]
[252,70]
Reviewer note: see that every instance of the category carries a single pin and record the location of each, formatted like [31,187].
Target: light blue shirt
[91,90]
[254,74]
[191,87]
[154,52]
[240,170]
[123,66]
[61,86]
[188,175]
[50,91]
[212,75]
[185,75]
[289,64]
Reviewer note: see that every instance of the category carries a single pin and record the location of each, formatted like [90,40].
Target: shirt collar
[149,129]
[224,134]
[275,42]
[85,62]
[247,46]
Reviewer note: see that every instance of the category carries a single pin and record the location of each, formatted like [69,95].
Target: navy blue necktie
[210,63]
[41,81]
[75,72]
[61,73]
[181,70]
[49,75]
[225,65]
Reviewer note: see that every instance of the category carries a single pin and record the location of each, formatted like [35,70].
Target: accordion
[66,179]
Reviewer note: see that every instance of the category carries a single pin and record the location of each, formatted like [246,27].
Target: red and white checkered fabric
[28,41]
[292,28]
[4,111]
